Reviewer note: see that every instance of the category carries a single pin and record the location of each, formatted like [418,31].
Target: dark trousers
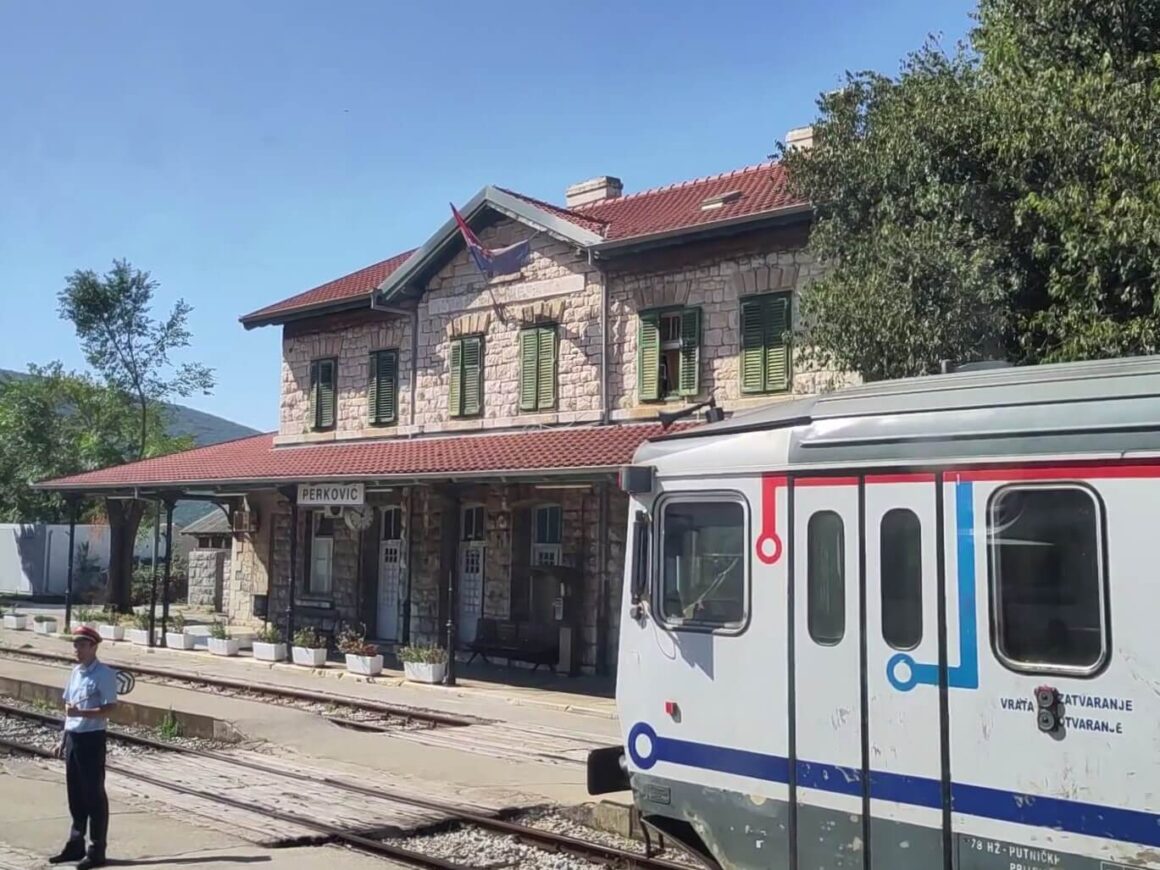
[84,759]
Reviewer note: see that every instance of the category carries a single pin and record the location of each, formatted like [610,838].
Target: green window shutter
[776,343]
[689,377]
[472,375]
[455,400]
[546,393]
[529,363]
[373,388]
[648,361]
[322,393]
[382,395]
[752,346]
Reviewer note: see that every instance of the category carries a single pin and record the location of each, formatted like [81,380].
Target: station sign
[326,494]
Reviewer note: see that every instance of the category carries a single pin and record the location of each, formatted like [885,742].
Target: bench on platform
[528,642]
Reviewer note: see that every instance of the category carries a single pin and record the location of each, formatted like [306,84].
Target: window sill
[317,600]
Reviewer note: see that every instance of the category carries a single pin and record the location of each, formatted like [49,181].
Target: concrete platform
[35,820]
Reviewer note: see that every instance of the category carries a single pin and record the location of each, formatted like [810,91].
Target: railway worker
[89,698]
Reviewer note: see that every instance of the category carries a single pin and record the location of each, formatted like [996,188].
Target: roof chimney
[802,137]
[593,190]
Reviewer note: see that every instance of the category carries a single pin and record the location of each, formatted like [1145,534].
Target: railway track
[170,676]
[548,841]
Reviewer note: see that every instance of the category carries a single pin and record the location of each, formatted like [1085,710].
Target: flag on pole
[493,261]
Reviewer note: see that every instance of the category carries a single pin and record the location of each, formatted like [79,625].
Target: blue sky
[243,152]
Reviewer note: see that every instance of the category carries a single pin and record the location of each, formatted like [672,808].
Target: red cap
[86,632]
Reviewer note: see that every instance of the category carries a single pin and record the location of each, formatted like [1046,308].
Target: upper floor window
[472,526]
[466,399]
[547,535]
[900,570]
[765,348]
[669,353]
[703,561]
[383,387]
[1047,578]
[538,368]
[392,523]
[323,390]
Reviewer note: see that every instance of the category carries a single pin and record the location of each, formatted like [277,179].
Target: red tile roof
[256,458]
[762,188]
[359,283]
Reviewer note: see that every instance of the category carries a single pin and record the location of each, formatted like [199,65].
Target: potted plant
[175,636]
[86,616]
[139,634]
[268,646]
[220,642]
[14,620]
[424,664]
[43,624]
[361,657]
[110,627]
[308,649]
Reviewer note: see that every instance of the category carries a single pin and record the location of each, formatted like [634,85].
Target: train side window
[901,578]
[703,571]
[1048,602]
[826,578]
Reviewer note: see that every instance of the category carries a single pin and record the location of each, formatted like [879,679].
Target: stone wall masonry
[207,570]
[715,284]
[249,572]
[352,344]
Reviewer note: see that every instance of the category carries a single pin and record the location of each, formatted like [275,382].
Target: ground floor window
[320,557]
[546,535]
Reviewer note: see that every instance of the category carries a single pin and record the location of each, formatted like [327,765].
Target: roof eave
[798,212]
[510,206]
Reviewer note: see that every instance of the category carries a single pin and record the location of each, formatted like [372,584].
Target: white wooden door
[470,589]
[390,562]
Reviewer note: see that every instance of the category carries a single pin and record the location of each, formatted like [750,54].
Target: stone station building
[484,419]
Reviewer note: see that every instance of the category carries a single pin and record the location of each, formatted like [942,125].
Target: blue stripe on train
[1093,820]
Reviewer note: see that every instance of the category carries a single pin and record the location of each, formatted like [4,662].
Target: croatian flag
[492,262]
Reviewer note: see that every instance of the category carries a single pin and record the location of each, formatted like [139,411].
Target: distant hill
[204,428]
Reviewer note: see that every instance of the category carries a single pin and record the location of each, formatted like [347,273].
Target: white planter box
[311,658]
[139,636]
[368,666]
[45,627]
[17,621]
[223,646]
[179,641]
[112,632]
[269,652]
[425,672]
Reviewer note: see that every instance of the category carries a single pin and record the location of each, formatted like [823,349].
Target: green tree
[1001,200]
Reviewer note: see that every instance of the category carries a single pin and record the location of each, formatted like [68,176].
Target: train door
[1054,745]
[903,748]
[826,663]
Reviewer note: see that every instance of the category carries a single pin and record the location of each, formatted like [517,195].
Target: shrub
[269,634]
[141,620]
[352,641]
[307,638]
[110,617]
[423,655]
[177,622]
[40,617]
[86,616]
[217,630]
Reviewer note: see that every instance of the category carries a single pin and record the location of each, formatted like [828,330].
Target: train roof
[1064,408]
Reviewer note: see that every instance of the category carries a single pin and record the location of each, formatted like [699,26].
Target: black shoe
[93,859]
[74,850]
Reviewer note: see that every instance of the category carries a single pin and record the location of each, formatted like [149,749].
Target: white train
[904,626]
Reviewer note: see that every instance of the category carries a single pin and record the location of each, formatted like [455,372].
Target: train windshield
[703,562]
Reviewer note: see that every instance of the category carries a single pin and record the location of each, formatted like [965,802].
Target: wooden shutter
[455,399]
[472,375]
[322,393]
[752,346]
[689,378]
[383,392]
[648,349]
[546,391]
[529,364]
[776,342]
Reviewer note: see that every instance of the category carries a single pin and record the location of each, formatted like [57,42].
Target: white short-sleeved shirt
[90,688]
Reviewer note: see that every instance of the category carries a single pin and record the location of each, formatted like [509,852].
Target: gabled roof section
[581,231]
[759,190]
[355,287]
